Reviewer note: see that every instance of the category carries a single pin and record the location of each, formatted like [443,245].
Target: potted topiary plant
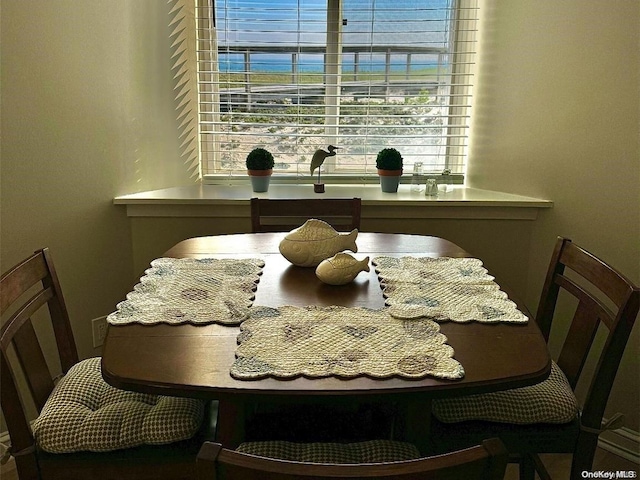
[389,164]
[260,167]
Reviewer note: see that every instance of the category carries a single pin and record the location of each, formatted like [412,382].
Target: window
[293,76]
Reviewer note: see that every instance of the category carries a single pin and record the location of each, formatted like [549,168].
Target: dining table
[201,356]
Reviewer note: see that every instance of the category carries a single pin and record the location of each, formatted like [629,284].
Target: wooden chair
[283,215]
[486,462]
[24,292]
[605,298]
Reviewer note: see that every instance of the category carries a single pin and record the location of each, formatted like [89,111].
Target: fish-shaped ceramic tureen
[340,269]
[315,240]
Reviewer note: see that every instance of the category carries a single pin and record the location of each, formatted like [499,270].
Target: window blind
[293,76]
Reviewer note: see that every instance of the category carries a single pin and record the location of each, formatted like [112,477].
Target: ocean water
[282,63]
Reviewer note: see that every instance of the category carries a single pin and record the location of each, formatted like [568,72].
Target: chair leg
[527,467]
[541,470]
[27,466]
[583,455]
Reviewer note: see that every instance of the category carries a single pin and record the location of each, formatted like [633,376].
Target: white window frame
[208,93]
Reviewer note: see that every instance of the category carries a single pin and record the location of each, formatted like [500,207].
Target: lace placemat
[456,289]
[189,290]
[338,341]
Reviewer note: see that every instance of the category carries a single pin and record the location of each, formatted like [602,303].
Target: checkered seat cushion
[551,401]
[374,451]
[84,413]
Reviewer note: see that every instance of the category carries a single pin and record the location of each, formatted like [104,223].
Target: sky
[290,22]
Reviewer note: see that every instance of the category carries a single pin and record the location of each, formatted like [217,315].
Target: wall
[558,117]
[87,114]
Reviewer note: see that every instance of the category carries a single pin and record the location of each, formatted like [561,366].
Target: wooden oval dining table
[195,360]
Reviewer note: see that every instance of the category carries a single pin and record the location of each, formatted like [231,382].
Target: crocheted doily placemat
[188,290]
[456,289]
[338,341]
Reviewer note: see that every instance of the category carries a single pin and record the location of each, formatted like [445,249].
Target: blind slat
[398,74]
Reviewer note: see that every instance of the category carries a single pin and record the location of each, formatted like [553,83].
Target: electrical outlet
[99,329]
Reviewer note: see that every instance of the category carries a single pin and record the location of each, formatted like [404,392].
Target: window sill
[233,201]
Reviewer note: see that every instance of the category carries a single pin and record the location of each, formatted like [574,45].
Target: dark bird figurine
[318,158]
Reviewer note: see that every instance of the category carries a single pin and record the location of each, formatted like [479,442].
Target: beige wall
[558,117]
[87,115]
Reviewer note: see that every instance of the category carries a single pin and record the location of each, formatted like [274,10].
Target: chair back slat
[587,301]
[20,278]
[23,314]
[582,331]
[33,364]
[579,339]
[487,462]
[608,363]
[65,341]
[602,276]
[282,215]
[550,291]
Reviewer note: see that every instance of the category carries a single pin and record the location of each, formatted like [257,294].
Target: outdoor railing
[250,89]
[356,50]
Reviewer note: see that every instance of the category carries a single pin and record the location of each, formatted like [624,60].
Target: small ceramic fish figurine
[315,240]
[340,269]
